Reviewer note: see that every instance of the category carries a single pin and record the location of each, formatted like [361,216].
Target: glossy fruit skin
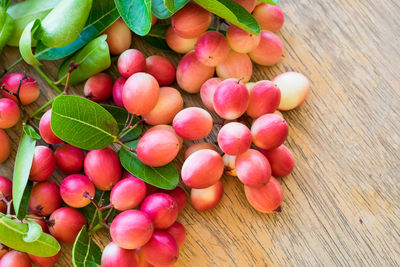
[69,159]
[162,209]
[157,148]
[177,43]
[265,199]
[119,37]
[195,175]
[207,92]
[249,5]
[161,68]
[66,224]
[142,262]
[128,193]
[161,250]
[294,88]
[131,61]
[98,88]
[212,48]
[269,131]
[131,229]
[5,148]
[103,168]
[269,51]
[199,146]
[207,198]
[45,129]
[253,168]
[45,198]
[140,86]
[236,65]
[169,103]
[45,261]
[281,160]
[265,97]
[114,256]
[178,194]
[15,259]
[191,73]
[150,189]
[191,21]
[168,128]
[240,40]
[6,191]
[9,113]
[193,123]
[231,99]
[234,138]
[74,190]
[269,17]
[43,164]
[117,91]
[178,232]
[29,90]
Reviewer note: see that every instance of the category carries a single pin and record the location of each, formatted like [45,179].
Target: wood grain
[341,203]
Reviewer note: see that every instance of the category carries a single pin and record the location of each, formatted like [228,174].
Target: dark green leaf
[165,177]
[136,14]
[121,116]
[90,211]
[12,235]
[28,130]
[85,252]
[102,15]
[34,232]
[156,37]
[82,123]
[22,168]
[159,9]
[92,59]
[232,12]
[271,2]
[25,200]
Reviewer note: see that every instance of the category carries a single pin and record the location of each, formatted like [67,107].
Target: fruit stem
[129,128]
[71,68]
[106,207]
[126,147]
[95,229]
[47,79]
[8,203]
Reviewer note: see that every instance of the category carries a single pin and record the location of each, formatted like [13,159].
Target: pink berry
[177,43]
[178,194]
[162,209]
[191,73]
[199,146]
[69,159]
[45,129]
[207,92]
[98,88]
[264,98]
[141,86]
[249,5]
[269,51]
[5,191]
[196,175]
[269,131]
[131,229]
[76,189]
[178,232]
[231,99]
[130,62]
[66,223]
[281,160]
[193,123]
[119,37]
[128,193]
[236,66]
[45,261]
[117,91]
[269,17]
[207,198]
[234,138]
[45,198]
[161,68]
[9,113]
[211,48]
[240,40]
[43,164]
[103,168]
[161,250]
[267,198]
[252,168]
[114,256]
[15,259]
[150,189]
[168,128]
[29,90]
[5,148]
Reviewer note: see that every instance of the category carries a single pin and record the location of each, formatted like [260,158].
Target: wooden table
[341,204]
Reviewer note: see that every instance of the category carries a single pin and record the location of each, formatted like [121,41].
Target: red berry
[98,88]
[9,113]
[5,191]
[128,193]
[161,250]
[43,164]
[29,90]
[45,198]
[45,129]
[69,159]
[162,209]
[114,256]
[178,232]
[15,259]
[45,261]
[66,223]
[76,189]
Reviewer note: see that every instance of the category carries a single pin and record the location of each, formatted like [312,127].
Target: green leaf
[85,252]
[271,2]
[156,37]
[121,116]
[6,29]
[232,12]
[102,15]
[22,168]
[82,123]
[25,12]
[28,130]
[90,211]
[26,42]
[92,59]
[12,235]
[136,14]
[34,232]
[169,4]
[165,177]
[25,200]
[159,9]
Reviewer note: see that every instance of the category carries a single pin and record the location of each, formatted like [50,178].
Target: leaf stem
[129,128]
[95,228]
[47,79]
[126,147]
